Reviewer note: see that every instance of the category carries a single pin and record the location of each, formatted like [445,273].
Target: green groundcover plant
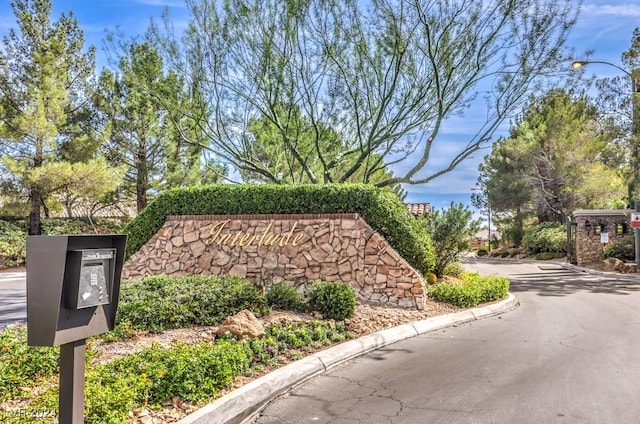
[195,373]
[470,290]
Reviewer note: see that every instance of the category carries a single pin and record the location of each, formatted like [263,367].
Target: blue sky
[605,26]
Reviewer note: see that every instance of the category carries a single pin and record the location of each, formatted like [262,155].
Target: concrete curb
[245,402]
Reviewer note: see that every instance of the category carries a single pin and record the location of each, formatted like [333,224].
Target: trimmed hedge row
[380,208]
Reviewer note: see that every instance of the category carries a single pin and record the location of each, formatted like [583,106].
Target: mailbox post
[73,287]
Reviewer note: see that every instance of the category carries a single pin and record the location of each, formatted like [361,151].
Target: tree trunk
[141,197]
[35,224]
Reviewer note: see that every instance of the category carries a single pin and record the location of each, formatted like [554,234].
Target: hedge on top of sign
[380,208]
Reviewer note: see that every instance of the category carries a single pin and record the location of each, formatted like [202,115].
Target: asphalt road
[13,298]
[569,354]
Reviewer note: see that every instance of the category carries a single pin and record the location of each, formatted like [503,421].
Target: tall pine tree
[44,76]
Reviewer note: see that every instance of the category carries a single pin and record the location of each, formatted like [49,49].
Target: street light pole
[489,222]
[634,75]
[485,194]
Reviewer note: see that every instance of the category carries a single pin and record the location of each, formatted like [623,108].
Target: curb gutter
[245,402]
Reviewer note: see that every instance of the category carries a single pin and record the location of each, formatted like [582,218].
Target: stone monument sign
[271,248]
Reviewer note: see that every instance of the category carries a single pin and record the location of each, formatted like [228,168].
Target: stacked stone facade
[294,249]
[589,226]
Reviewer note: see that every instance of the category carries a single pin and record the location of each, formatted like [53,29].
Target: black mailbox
[73,286]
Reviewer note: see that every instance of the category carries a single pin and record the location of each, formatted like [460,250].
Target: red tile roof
[417,209]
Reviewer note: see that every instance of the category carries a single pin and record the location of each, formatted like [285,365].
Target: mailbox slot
[89,277]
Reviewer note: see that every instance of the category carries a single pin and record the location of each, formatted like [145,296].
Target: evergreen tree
[45,78]
[148,115]
[553,161]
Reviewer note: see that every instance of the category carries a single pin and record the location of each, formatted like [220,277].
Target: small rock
[629,268]
[612,264]
[241,325]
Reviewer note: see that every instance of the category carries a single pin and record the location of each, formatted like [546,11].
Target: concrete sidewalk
[249,399]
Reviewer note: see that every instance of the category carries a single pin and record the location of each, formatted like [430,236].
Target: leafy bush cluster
[545,256]
[193,372]
[285,297]
[158,303]
[546,237]
[470,290]
[334,300]
[156,374]
[511,252]
[382,209]
[623,249]
[12,244]
[450,230]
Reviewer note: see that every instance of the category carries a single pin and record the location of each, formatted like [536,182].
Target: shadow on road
[552,279]
[565,282]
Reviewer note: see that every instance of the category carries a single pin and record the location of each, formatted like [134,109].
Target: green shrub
[285,297]
[431,278]
[454,269]
[13,235]
[546,237]
[334,300]
[159,302]
[450,231]
[623,249]
[62,226]
[110,397]
[482,252]
[380,208]
[12,245]
[471,290]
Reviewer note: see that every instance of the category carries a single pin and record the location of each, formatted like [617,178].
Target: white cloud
[625,10]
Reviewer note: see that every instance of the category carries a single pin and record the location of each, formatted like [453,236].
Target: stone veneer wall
[588,243]
[309,247]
